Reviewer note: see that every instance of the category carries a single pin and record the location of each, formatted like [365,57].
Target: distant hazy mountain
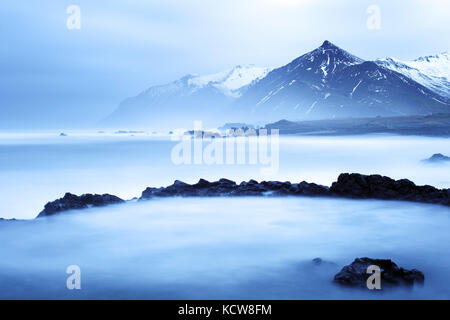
[325,83]
[432,72]
[190,98]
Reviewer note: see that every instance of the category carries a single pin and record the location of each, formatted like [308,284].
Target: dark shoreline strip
[348,185]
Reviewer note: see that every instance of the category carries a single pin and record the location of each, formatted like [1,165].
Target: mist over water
[35,168]
[219,248]
[215,248]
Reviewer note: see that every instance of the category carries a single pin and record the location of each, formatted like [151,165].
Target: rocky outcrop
[348,185]
[71,202]
[352,185]
[228,188]
[437,157]
[378,187]
[355,274]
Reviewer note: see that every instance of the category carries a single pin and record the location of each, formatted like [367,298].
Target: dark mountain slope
[329,82]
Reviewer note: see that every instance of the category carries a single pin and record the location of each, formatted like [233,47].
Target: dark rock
[312,189]
[71,201]
[317,261]
[202,183]
[360,186]
[348,185]
[355,274]
[438,157]
[225,187]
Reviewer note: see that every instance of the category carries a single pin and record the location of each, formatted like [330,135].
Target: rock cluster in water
[355,274]
[356,186]
[228,188]
[438,157]
[71,202]
[352,185]
[378,187]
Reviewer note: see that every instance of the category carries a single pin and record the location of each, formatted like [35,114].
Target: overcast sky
[50,74]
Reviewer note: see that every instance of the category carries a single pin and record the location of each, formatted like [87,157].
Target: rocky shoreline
[354,186]
[348,185]
[73,202]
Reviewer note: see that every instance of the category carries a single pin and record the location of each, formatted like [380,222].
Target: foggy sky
[55,77]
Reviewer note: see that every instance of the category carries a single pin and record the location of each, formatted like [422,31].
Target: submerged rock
[355,274]
[71,201]
[321,262]
[438,157]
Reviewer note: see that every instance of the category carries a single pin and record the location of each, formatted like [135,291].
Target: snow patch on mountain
[231,81]
[432,72]
[327,82]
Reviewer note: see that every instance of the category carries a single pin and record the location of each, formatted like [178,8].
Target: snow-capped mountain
[231,81]
[329,82]
[432,72]
[193,97]
[325,83]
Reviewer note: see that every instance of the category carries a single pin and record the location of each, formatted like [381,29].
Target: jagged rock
[438,157]
[348,185]
[360,186]
[355,274]
[312,189]
[225,187]
[71,201]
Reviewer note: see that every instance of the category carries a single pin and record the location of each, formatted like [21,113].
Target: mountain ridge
[431,71]
[329,82]
[325,83]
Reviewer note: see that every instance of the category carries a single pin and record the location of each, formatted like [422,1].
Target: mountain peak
[328,44]
[328,48]
[322,62]
[327,82]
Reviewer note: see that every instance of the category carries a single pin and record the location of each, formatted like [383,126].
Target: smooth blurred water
[246,248]
[36,168]
[218,248]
